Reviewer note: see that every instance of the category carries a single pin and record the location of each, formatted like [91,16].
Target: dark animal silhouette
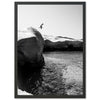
[41,26]
[30,58]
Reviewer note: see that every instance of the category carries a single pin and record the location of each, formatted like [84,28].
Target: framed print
[50,50]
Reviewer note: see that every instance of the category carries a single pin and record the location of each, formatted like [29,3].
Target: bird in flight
[41,26]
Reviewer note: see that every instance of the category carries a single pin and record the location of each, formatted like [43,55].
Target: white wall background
[7,49]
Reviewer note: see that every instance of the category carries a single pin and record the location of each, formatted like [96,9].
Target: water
[69,67]
[61,75]
[66,56]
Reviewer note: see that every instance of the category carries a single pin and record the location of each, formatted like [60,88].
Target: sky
[59,20]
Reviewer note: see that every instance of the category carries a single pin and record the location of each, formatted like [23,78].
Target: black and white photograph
[50,50]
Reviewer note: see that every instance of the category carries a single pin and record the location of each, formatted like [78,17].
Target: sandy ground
[59,77]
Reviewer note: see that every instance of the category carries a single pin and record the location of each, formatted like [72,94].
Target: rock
[30,59]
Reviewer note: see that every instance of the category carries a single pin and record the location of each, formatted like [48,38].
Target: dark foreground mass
[61,75]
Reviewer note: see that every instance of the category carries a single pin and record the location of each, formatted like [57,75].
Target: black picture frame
[84,46]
